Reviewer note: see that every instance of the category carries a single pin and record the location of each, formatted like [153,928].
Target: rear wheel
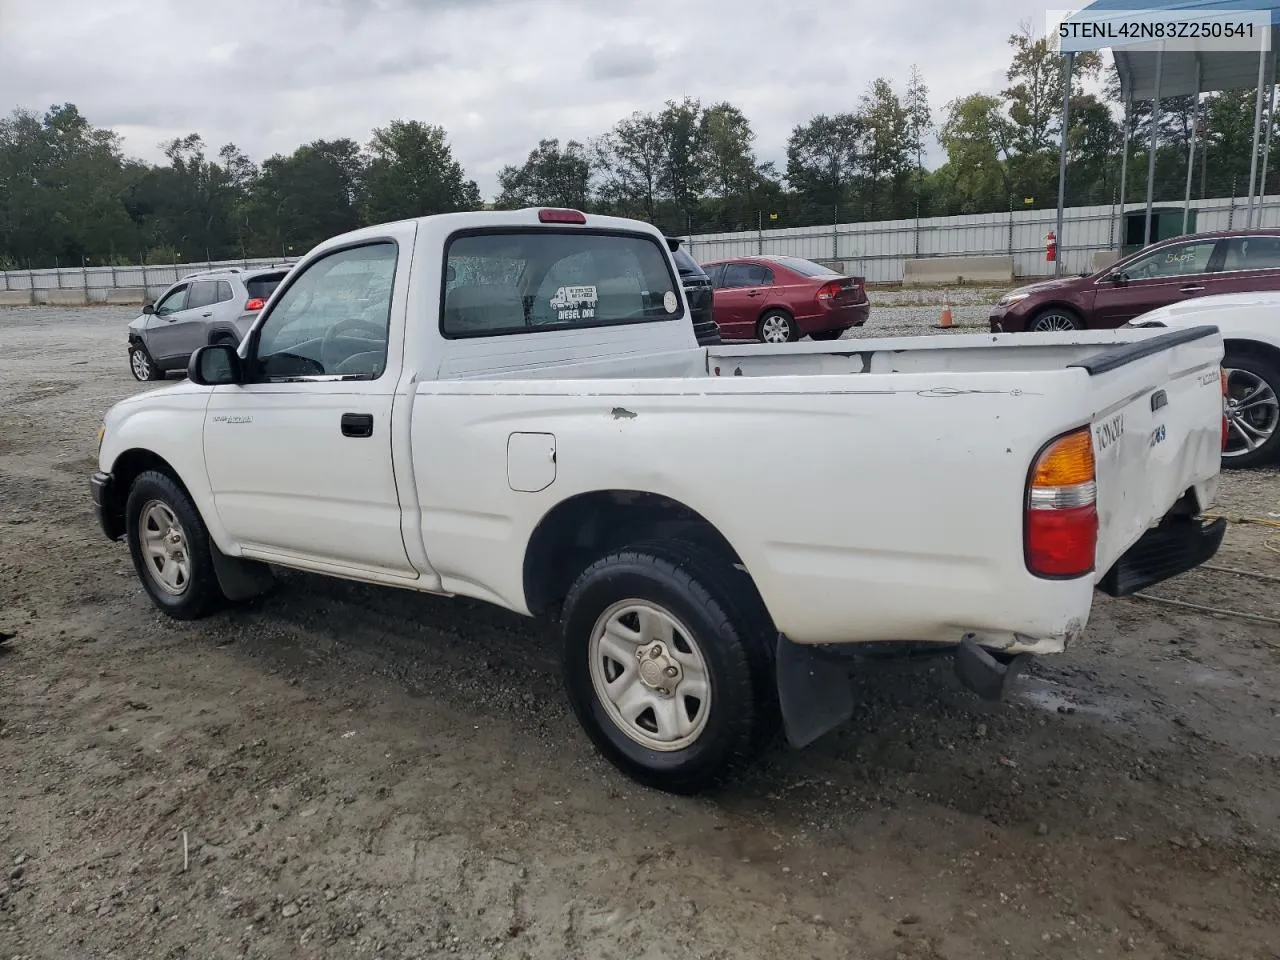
[1055,320]
[1252,409]
[141,365]
[777,326]
[666,667]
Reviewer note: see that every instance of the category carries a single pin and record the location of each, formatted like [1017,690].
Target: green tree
[631,158]
[681,174]
[823,159]
[887,159]
[412,173]
[978,140]
[306,197]
[551,176]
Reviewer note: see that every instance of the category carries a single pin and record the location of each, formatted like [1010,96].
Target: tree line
[69,194]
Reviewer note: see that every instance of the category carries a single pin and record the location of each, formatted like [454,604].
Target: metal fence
[94,283]
[878,251]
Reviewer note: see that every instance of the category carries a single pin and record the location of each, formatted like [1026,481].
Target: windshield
[806,268]
[524,282]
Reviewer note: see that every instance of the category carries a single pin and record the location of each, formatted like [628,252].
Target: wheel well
[584,528]
[223,336]
[129,466]
[1254,347]
[1060,307]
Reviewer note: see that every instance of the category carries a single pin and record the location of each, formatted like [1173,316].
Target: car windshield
[806,268]
[501,283]
[687,266]
[263,285]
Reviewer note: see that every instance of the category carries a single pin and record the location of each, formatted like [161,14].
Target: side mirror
[148,308]
[1117,277]
[216,365]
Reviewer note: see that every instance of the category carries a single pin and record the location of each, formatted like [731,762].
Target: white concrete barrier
[125,296]
[15,298]
[943,270]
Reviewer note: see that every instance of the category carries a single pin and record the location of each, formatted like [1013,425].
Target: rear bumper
[836,318]
[110,517]
[1177,545]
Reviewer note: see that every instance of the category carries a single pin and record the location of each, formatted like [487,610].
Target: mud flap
[240,579]
[814,693]
[982,673]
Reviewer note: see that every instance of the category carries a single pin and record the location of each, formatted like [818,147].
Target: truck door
[299,455]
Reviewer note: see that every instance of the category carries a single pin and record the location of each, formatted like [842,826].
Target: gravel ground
[340,771]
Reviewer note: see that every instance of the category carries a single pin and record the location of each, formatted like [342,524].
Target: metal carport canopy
[1216,69]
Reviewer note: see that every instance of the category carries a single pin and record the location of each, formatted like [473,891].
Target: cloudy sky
[497,74]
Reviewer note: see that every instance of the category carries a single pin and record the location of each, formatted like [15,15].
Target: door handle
[357,424]
[1191,288]
[206,314]
[753,293]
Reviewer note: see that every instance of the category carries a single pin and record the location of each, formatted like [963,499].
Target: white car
[712,527]
[1250,325]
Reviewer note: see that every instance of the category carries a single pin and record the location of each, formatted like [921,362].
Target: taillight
[1226,427]
[1061,508]
[257,303]
[556,215]
[828,291]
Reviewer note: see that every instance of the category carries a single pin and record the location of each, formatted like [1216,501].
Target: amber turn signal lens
[1067,462]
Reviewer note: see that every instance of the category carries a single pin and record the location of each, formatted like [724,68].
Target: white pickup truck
[512,406]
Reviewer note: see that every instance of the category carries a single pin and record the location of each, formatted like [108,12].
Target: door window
[333,320]
[1176,261]
[716,273]
[1253,253]
[224,291]
[173,301]
[747,275]
[204,293]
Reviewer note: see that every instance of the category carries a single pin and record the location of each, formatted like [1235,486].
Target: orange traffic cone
[945,320]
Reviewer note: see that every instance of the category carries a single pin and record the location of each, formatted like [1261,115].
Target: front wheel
[827,335]
[169,544]
[141,365]
[1055,320]
[666,667]
[1252,410]
[777,326]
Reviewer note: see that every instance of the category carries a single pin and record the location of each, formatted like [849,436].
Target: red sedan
[777,299]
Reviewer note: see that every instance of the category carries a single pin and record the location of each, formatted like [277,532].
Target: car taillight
[828,291]
[257,303]
[1226,427]
[1061,508]
[557,215]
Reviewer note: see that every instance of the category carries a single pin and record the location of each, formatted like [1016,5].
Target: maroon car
[1190,266]
[776,299]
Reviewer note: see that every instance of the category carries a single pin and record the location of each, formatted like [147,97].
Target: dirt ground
[342,771]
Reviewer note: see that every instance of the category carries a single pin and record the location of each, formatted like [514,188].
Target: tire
[827,335]
[779,325]
[1054,320]
[719,632]
[141,365]
[156,503]
[1253,410]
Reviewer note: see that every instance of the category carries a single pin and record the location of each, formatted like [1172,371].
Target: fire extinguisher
[1050,247]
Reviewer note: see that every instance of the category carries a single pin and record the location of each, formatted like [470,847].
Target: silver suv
[217,306]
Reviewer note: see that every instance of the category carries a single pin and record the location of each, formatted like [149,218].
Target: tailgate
[1158,434]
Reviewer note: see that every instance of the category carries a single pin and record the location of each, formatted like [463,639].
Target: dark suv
[697,290]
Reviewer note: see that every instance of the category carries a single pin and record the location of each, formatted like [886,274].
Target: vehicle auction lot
[341,771]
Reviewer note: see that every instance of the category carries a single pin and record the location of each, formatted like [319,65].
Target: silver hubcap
[139,363]
[1054,322]
[775,329]
[164,548]
[1253,412]
[650,675]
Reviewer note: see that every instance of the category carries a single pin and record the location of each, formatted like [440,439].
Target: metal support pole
[1151,151]
[1124,159]
[835,233]
[1257,127]
[1191,152]
[760,233]
[1068,61]
[1266,148]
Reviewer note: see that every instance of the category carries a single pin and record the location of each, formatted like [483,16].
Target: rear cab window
[525,281]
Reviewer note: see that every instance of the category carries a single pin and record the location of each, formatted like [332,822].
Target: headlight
[1009,299]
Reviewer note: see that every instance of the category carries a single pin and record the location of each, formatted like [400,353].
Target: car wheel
[777,326]
[668,665]
[1252,409]
[1055,320]
[141,365]
[827,335]
[169,544]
